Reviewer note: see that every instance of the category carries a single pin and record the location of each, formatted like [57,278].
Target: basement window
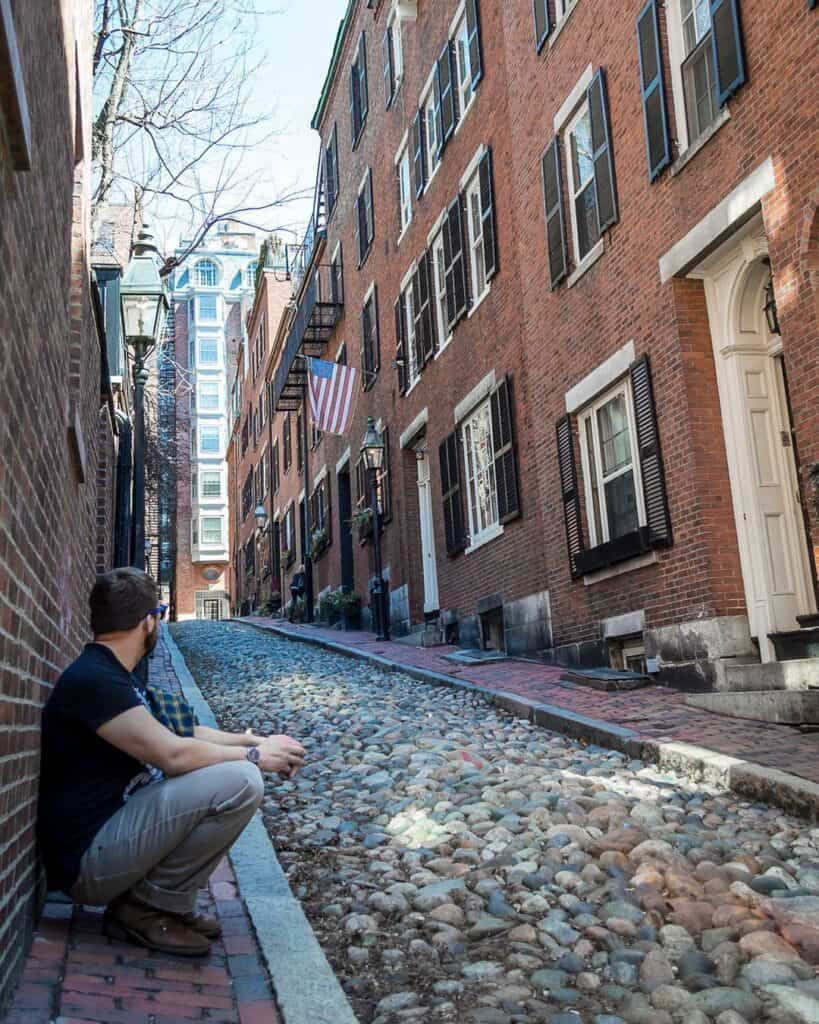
[628,654]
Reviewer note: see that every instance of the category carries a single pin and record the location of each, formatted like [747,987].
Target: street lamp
[372,451]
[260,515]
[144,304]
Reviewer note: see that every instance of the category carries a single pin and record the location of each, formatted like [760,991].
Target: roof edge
[331,70]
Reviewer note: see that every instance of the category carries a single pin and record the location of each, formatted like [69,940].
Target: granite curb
[304,983]
[752,781]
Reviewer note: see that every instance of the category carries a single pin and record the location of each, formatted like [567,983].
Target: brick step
[782,707]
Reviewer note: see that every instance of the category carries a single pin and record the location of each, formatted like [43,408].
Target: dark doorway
[213,609]
[345,510]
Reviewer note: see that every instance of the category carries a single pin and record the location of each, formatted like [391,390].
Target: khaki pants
[166,841]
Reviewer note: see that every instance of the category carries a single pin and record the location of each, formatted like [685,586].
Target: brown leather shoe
[129,920]
[204,924]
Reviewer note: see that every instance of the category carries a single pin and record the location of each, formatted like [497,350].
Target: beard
[150,641]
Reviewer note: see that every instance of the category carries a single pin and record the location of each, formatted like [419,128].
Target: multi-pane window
[404,188]
[208,350]
[359,102]
[287,444]
[207,274]
[194,487]
[476,240]
[697,69]
[370,346]
[299,441]
[464,65]
[211,483]
[582,193]
[209,396]
[411,346]
[365,225]
[429,106]
[439,287]
[611,474]
[211,531]
[331,171]
[479,463]
[209,440]
[337,277]
[274,466]
[208,306]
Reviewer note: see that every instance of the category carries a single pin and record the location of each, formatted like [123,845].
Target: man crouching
[132,815]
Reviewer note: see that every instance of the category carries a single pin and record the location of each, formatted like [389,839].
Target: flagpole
[308,561]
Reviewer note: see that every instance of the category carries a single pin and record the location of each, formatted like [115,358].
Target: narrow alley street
[458,864]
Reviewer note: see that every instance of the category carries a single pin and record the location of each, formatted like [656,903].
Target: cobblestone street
[459,864]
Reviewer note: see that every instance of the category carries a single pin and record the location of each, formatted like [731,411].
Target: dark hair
[120,600]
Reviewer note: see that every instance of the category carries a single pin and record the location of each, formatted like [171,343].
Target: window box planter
[630,545]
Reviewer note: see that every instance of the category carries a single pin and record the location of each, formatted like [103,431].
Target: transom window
[211,484]
[208,307]
[209,396]
[207,274]
[208,350]
[211,530]
[585,226]
[464,65]
[698,70]
[404,189]
[614,504]
[481,485]
[477,254]
[209,440]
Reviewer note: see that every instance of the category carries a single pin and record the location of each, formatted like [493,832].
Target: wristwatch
[252,754]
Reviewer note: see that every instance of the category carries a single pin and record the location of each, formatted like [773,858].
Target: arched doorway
[758,438]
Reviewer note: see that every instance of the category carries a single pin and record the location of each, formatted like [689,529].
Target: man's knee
[241,783]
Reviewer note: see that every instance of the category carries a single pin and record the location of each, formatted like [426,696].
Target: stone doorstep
[783,707]
[752,781]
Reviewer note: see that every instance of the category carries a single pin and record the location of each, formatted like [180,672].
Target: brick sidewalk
[656,712]
[75,975]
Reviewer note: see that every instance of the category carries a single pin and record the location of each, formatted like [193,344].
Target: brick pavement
[656,712]
[75,975]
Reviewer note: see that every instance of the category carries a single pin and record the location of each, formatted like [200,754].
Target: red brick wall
[49,362]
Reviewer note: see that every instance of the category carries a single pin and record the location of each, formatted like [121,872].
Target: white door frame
[733,278]
[429,561]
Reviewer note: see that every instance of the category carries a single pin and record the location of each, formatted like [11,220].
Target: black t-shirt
[83,779]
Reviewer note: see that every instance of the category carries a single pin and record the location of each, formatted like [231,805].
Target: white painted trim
[475,396]
[278,513]
[488,535]
[600,378]
[437,227]
[561,24]
[302,494]
[588,261]
[676,56]
[401,147]
[686,156]
[473,309]
[406,280]
[640,562]
[363,180]
[368,294]
[623,625]
[715,226]
[472,167]
[343,461]
[317,479]
[411,432]
[340,344]
[459,13]
[575,97]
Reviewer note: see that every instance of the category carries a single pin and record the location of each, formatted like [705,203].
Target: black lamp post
[372,451]
[260,515]
[144,304]
[771,313]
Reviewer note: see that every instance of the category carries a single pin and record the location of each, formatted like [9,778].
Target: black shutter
[455,274]
[366,347]
[726,44]
[355,105]
[419,156]
[417,322]
[658,517]
[454,528]
[386,480]
[503,437]
[601,152]
[359,235]
[362,77]
[569,491]
[555,224]
[655,120]
[374,334]
[473,28]
[490,243]
[446,98]
[542,26]
[389,68]
[426,292]
[369,215]
[401,354]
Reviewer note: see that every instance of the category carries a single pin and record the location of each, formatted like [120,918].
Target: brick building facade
[58,415]
[548,238]
[212,291]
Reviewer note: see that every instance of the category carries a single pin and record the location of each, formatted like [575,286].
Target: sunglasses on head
[160,611]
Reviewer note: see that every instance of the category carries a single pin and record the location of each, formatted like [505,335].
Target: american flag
[332,389]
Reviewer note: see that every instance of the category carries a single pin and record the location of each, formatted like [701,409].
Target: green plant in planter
[318,542]
[328,609]
[273,603]
[349,608]
[287,556]
[361,519]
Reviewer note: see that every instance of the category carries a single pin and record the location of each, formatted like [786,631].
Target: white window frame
[211,473]
[402,164]
[212,543]
[479,535]
[459,34]
[217,273]
[200,395]
[200,316]
[578,115]
[210,430]
[439,289]
[476,250]
[394,23]
[427,105]
[677,57]
[563,8]
[413,370]
[207,362]
[589,415]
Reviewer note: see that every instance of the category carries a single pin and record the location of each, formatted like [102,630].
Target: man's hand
[281,754]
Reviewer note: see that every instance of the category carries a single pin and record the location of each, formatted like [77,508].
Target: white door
[428,559]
